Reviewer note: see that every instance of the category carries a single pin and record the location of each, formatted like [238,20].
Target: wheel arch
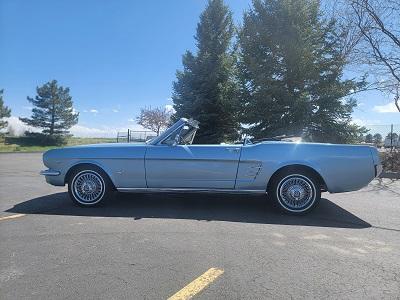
[297,168]
[88,164]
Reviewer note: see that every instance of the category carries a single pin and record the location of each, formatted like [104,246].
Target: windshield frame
[171,130]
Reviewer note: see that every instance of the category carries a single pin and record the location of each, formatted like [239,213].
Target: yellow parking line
[197,285]
[12,217]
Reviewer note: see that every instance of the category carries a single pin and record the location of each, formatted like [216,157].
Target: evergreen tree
[369,138]
[53,111]
[5,112]
[206,90]
[377,138]
[392,136]
[291,68]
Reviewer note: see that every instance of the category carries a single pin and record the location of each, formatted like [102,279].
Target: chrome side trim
[194,159]
[50,173]
[193,190]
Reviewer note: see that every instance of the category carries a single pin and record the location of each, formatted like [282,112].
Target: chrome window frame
[177,126]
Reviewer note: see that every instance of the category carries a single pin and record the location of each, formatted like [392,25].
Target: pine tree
[291,69]
[206,90]
[369,138]
[53,111]
[377,138]
[5,112]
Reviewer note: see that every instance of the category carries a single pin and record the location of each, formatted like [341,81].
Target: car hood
[94,152]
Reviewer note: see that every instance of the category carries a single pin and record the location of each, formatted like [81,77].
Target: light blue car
[292,174]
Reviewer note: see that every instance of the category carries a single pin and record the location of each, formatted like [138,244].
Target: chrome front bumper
[50,173]
[378,170]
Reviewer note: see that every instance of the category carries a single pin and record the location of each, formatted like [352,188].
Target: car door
[192,166]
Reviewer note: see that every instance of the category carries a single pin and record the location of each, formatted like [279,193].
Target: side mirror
[177,140]
[173,142]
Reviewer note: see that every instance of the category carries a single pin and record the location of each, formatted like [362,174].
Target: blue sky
[116,57]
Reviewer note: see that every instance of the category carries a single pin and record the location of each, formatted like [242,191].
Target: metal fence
[390,134]
[389,145]
[134,136]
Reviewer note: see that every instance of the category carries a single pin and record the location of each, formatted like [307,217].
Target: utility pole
[391,138]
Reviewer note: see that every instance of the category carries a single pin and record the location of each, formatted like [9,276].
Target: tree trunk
[52,119]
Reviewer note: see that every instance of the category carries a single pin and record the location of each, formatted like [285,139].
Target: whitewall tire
[295,191]
[89,186]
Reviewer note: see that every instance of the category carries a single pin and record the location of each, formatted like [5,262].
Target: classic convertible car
[292,174]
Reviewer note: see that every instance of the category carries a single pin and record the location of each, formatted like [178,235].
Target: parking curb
[391,175]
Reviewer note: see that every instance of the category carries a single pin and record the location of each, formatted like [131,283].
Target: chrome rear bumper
[378,170]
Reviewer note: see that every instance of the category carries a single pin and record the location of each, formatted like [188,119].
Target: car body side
[342,167]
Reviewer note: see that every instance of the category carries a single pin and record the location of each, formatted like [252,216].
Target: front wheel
[89,186]
[295,192]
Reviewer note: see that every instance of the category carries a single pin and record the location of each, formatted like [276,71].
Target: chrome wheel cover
[296,193]
[88,187]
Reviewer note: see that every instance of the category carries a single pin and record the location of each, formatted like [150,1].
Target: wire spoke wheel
[88,187]
[296,193]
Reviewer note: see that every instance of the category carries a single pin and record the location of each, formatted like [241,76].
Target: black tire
[295,191]
[89,186]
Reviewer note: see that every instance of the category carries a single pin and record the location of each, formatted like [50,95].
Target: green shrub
[391,160]
[39,139]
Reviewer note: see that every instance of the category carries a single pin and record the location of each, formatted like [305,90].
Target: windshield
[181,136]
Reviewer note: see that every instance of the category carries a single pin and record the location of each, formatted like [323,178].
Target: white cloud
[387,108]
[17,128]
[115,110]
[105,131]
[169,99]
[364,122]
[359,122]
[83,131]
[131,120]
[27,107]
[93,111]
[170,108]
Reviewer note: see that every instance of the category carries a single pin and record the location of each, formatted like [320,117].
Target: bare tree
[154,119]
[378,40]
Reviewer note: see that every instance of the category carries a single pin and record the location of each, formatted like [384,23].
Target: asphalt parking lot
[151,246]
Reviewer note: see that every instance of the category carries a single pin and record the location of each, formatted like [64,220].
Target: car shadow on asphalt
[202,207]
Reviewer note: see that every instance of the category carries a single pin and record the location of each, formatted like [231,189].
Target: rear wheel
[89,186]
[295,191]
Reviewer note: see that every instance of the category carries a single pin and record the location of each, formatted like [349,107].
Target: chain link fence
[384,135]
[134,136]
[387,139]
